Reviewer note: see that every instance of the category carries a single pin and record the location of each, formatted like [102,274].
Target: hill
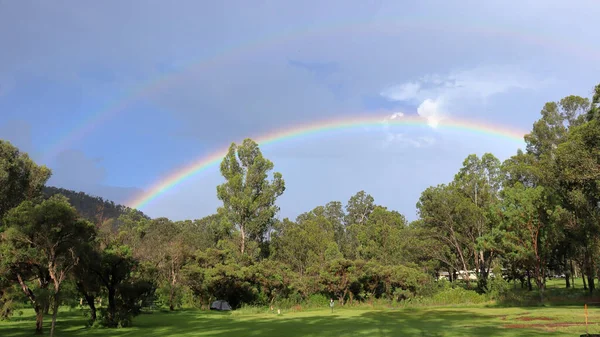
[93,208]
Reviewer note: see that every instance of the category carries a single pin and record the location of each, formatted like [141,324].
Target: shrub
[497,288]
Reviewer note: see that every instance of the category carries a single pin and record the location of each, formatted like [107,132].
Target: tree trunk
[171,295]
[590,272]
[111,308]
[541,283]
[572,274]
[172,290]
[529,280]
[567,274]
[39,310]
[585,287]
[462,259]
[39,320]
[46,308]
[90,301]
[54,313]
[243,232]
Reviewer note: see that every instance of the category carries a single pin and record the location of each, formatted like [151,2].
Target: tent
[220,305]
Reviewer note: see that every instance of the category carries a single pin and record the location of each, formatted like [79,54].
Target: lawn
[455,321]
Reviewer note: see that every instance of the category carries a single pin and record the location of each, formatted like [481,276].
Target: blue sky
[229,69]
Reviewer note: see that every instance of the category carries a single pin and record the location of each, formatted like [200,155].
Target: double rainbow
[159,83]
[180,175]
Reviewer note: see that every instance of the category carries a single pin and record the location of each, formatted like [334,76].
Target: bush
[498,288]
[130,298]
[458,295]
[447,294]
[317,301]
[163,294]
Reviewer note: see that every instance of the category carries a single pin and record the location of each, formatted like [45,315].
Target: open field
[447,321]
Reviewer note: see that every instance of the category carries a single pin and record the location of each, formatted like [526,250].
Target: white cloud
[432,111]
[396,115]
[438,97]
[392,138]
[403,140]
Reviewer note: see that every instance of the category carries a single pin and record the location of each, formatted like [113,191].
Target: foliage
[46,237]
[248,197]
[20,178]
[498,231]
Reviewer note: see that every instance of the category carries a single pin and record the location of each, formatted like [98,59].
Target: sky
[114,96]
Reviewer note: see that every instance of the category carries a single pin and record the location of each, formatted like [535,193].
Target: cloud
[432,111]
[402,139]
[439,96]
[234,71]
[396,115]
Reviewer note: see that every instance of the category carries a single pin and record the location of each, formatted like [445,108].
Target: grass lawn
[446,321]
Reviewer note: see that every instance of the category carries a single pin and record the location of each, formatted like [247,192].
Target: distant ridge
[93,208]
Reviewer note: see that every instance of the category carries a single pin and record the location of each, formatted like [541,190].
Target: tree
[594,111]
[479,182]
[207,232]
[303,244]
[573,109]
[20,177]
[86,281]
[271,278]
[381,237]
[547,132]
[248,197]
[528,220]
[578,173]
[119,273]
[359,208]
[167,248]
[538,166]
[48,235]
[440,210]
[338,275]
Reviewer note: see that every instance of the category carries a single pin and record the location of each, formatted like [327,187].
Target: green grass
[440,321]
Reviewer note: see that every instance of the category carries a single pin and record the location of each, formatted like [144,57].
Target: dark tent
[220,305]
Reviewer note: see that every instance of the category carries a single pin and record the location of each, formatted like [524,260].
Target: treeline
[534,214]
[92,208]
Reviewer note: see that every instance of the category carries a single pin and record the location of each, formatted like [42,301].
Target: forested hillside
[495,228]
[92,208]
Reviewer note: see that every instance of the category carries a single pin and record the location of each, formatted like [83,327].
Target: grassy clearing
[447,321]
[452,312]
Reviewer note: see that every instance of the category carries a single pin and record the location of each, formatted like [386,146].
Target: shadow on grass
[554,297]
[408,322]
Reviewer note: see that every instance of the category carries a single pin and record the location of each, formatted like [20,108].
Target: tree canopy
[528,218]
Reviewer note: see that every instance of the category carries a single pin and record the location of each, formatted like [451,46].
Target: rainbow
[145,89]
[202,164]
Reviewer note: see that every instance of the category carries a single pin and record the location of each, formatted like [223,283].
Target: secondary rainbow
[114,107]
[180,175]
